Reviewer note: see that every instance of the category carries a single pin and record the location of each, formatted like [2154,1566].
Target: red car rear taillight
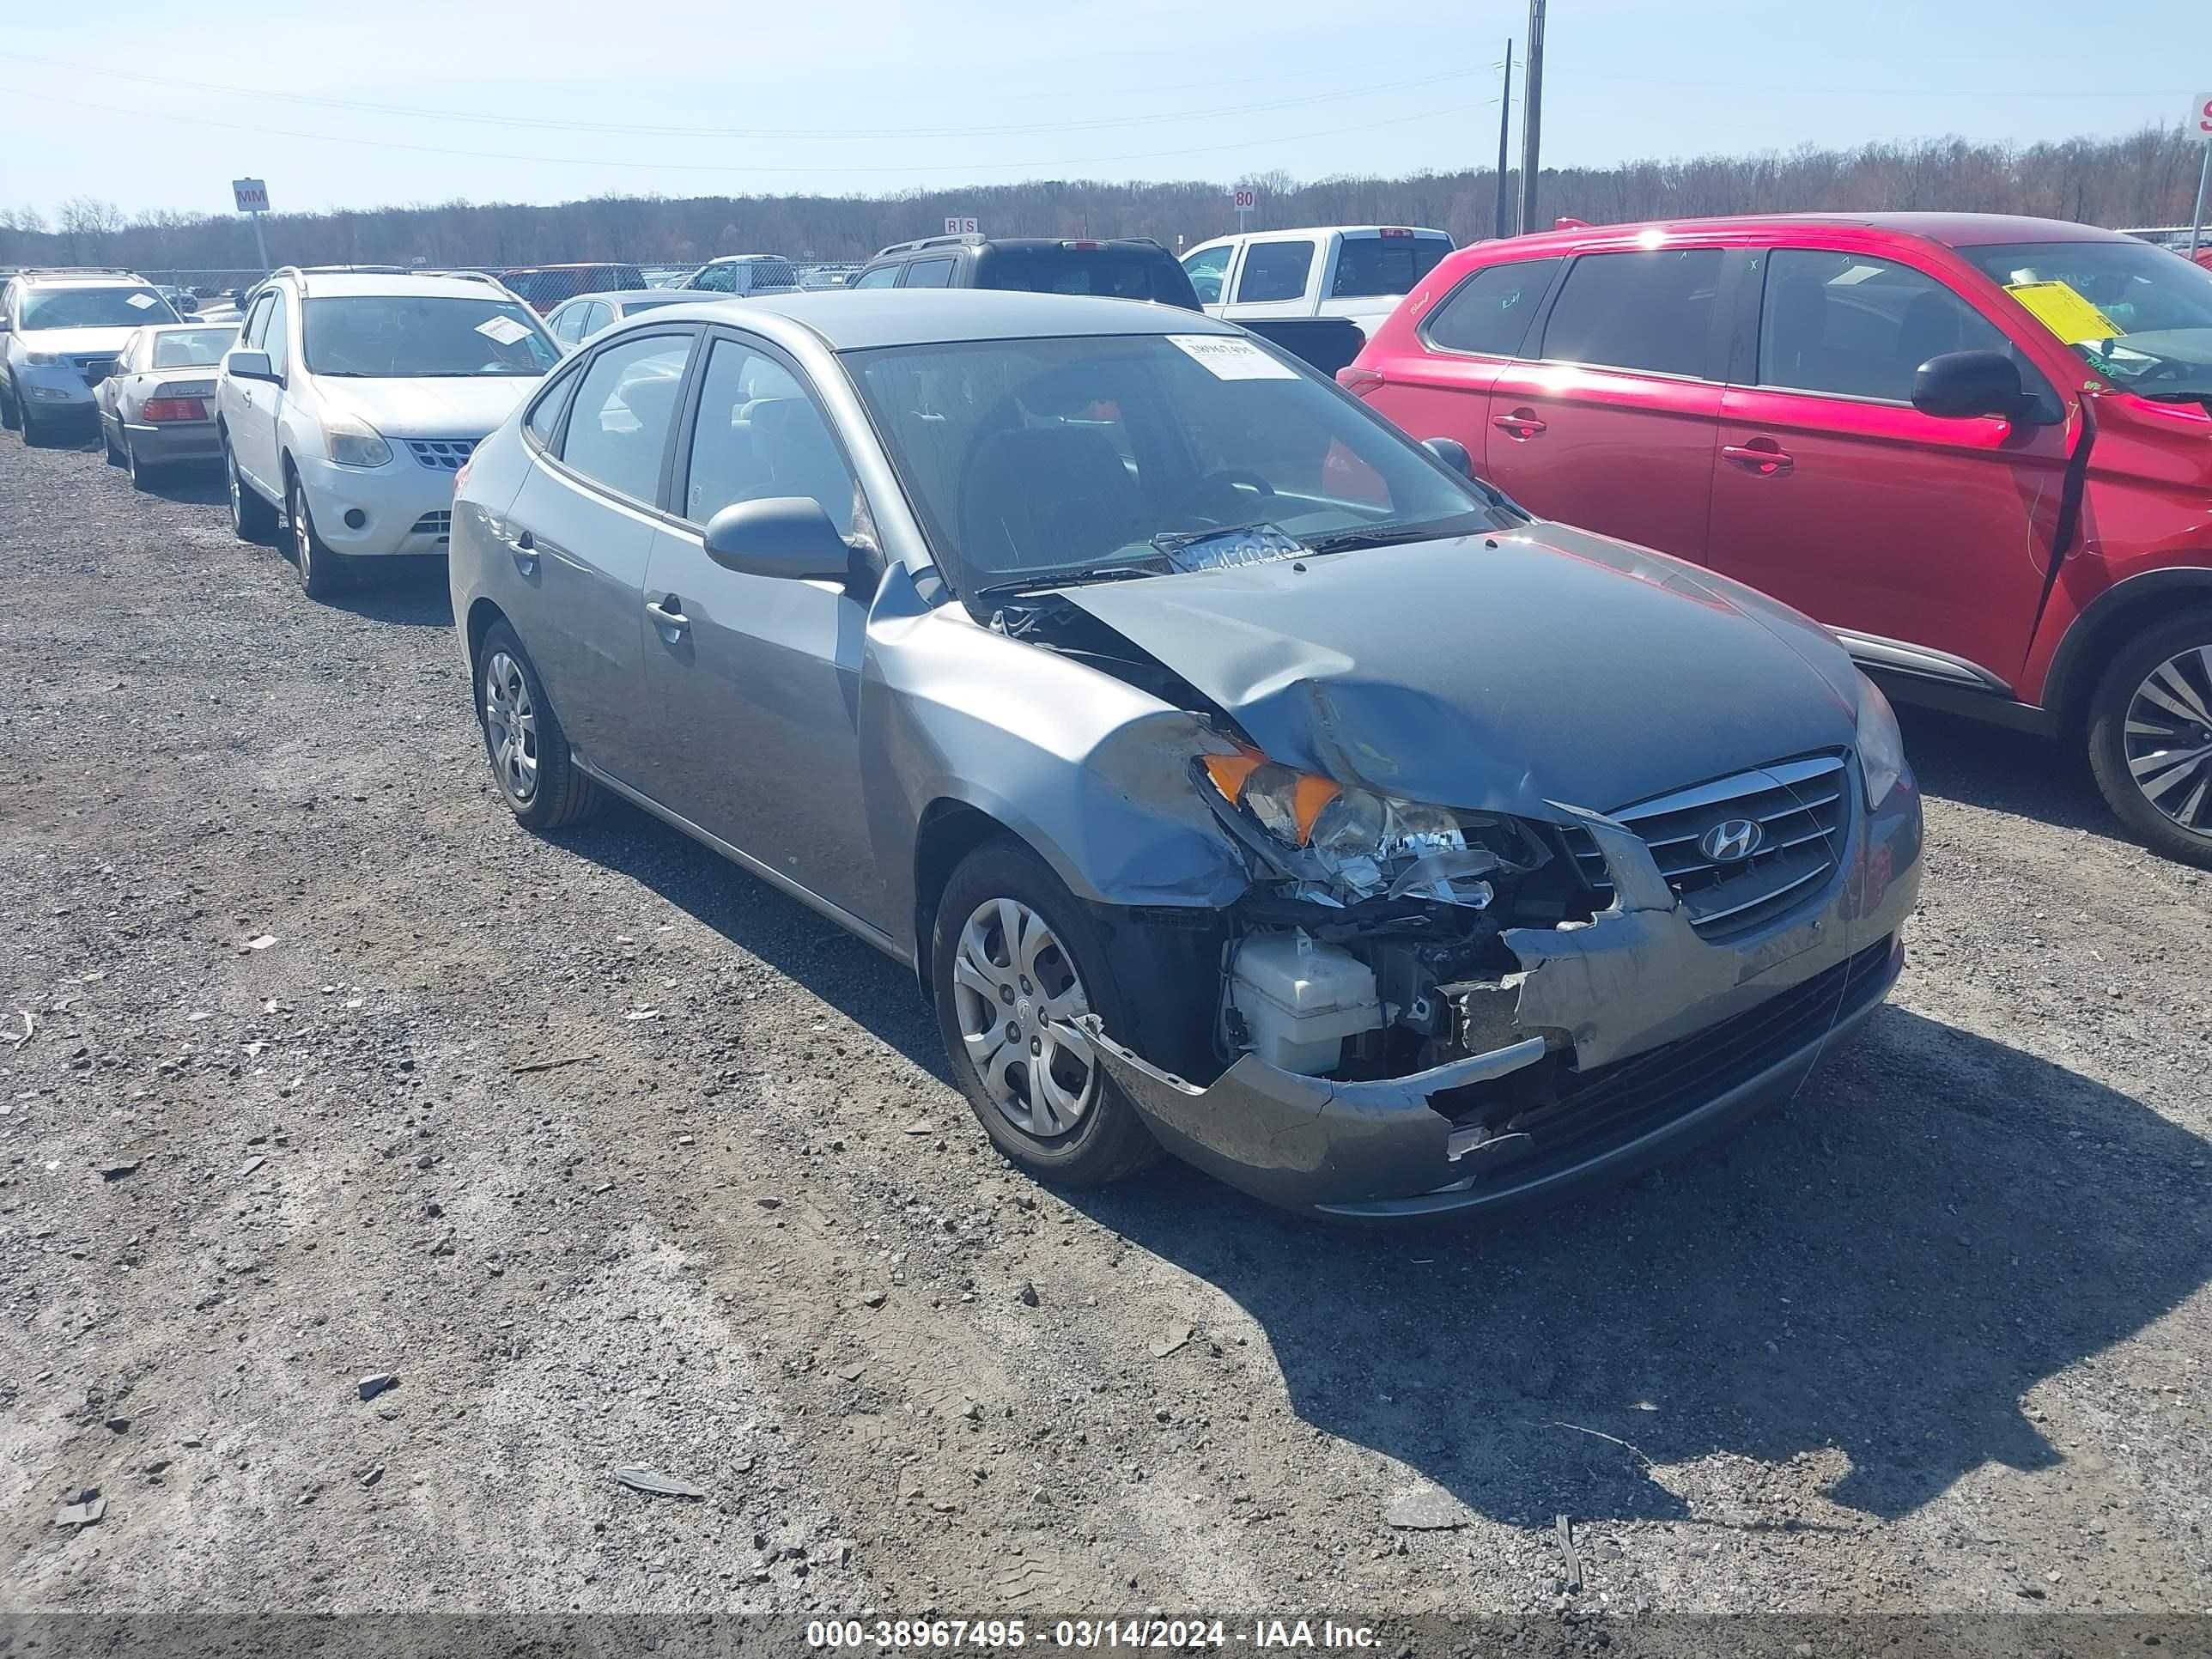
[173,409]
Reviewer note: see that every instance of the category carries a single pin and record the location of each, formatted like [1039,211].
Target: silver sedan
[157,406]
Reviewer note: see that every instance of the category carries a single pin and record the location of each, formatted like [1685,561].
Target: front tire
[2150,737]
[252,519]
[9,419]
[523,738]
[322,573]
[1013,956]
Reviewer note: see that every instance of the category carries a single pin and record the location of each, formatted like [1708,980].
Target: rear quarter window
[1489,312]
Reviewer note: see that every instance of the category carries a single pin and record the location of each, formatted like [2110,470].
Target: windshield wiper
[1047,580]
[1373,535]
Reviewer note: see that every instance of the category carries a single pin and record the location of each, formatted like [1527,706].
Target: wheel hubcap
[511,727]
[237,507]
[2169,738]
[1016,991]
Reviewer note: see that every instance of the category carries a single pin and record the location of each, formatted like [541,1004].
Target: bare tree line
[2147,178]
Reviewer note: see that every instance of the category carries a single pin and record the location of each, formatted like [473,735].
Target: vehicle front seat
[1040,497]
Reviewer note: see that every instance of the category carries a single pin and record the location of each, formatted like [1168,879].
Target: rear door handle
[1765,458]
[668,613]
[1520,424]
[524,549]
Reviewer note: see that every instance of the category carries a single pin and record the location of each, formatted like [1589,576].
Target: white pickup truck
[1357,272]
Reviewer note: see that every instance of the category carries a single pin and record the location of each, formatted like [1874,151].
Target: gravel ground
[1933,1339]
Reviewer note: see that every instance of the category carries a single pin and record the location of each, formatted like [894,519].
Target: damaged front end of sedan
[1424,1009]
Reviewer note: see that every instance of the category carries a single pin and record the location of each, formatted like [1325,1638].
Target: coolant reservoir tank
[1300,999]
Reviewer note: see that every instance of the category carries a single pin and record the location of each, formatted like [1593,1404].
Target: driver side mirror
[249,365]
[788,537]
[1453,454]
[1961,385]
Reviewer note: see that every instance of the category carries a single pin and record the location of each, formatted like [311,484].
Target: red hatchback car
[1978,448]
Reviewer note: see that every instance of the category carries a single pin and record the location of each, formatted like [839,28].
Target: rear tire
[142,476]
[2150,737]
[322,573]
[1107,1138]
[114,456]
[252,519]
[528,750]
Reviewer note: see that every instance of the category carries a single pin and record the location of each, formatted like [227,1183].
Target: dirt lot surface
[1934,1338]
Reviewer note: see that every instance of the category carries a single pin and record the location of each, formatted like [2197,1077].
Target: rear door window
[625,406]
[1853,325]
[928,273]
[1650,311]
[1490,312]
[1274,270]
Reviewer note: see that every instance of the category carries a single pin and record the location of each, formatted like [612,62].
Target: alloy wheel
[511,727]
[303,534]
[1016,991]
[2168,739]
[237,500]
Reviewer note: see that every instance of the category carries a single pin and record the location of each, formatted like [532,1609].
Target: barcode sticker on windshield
[503,329]
[1227,358]
[143,301]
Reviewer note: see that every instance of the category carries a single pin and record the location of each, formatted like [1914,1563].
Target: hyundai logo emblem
[1731,841]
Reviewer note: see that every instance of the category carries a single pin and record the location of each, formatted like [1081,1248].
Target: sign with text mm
[251,194]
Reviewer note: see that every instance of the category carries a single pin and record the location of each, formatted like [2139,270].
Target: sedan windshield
[1039,460]
[192,348]
[388,337]
[94,308]
[2141,316]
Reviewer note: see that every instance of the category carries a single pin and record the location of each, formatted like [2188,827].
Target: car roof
[189,326]
[322,285]
[628,295]
[857,320]
[82,279]
[1951,229]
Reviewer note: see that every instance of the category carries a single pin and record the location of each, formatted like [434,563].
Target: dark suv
[1125,268]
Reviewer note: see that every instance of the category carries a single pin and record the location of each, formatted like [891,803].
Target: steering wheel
[1213,489]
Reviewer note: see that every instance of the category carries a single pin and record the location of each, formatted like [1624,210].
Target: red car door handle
[1762,459]
[1520,424]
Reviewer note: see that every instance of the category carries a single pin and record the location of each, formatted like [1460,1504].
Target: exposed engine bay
[1368,944]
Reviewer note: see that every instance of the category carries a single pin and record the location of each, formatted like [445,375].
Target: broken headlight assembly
[1880,746]
[1343,844]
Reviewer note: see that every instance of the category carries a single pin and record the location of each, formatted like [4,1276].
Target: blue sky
[547,99]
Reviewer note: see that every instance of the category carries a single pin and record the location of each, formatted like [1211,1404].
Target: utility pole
[1505,122]
[1532,115]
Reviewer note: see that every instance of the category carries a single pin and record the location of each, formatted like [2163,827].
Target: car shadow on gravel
[1977,764]
[1871,1280]
[857,980]
[412,593]
[187,487]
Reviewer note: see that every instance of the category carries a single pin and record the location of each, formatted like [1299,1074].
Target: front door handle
[668,613]
[1762,455]
[1520,424]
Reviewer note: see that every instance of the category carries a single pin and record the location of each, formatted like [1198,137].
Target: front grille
[94,369]
[440,525]
[1597,1110]
[1802,809]
[447,454]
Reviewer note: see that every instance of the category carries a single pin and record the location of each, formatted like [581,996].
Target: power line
[1438,113]
[645,130]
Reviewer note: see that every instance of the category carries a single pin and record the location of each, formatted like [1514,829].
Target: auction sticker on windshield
[143,301]
[505,330]
[1227,359]
[2060,307]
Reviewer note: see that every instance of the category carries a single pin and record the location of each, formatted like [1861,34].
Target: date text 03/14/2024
[999,1634]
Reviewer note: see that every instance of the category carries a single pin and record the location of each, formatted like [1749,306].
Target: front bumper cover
[1676,1036]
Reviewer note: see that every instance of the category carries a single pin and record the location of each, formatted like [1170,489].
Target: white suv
[59,332]
[351,400]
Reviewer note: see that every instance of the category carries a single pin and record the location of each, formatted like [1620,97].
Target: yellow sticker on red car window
[2060,307]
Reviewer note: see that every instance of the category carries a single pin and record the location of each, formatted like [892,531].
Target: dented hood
[1497,672]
